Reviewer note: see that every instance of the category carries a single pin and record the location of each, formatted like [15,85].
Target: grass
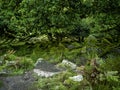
[27,55]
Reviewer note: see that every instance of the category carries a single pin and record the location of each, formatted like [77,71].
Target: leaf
[107,41]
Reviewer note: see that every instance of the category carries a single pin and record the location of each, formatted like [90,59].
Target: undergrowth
[100,72]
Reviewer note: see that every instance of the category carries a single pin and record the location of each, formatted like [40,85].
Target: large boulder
[21,82]
[45,69]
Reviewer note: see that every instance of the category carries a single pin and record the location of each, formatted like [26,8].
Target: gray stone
[77,78]
[44,73]
[27,81]
[45,66]
[69,64]
[19,82]
[45,69]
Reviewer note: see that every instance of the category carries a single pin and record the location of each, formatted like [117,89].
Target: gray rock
[44,73]
[19,82]
[69,64]
[77,78]
[27,80]
[45,69]
[45,66]
[3,88]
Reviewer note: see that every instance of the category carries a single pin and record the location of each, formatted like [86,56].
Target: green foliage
[110,76]
[58,24]
[22,19]
[103,74]
[15,64]
[61,82]
[90,48]
[111,64]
